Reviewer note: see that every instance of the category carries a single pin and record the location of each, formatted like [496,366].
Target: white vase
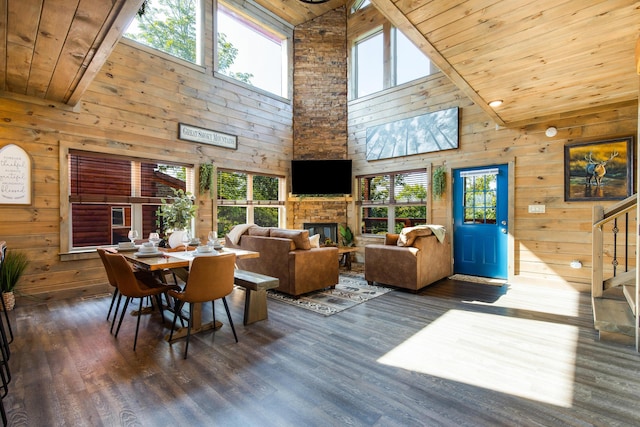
[175,238]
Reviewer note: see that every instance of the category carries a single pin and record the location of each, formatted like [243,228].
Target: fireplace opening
[326,230]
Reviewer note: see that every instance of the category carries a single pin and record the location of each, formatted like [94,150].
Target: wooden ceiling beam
[115,26]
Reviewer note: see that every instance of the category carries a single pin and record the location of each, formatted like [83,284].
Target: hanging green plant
[439,181]
[206,178]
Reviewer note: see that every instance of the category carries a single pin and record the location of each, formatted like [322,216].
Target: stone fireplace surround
[318,212]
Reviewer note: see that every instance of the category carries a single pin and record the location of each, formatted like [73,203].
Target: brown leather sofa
[422,261]
[287,255]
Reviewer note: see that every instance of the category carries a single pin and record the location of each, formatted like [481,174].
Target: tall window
[389,202]
[358,5]
[410,63]
[376,69]
[253,47]
[111,195]
[171,26]
[248,198]
[369,57]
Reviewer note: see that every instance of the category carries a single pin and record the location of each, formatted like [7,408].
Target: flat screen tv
[321,177]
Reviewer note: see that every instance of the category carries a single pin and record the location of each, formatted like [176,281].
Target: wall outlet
[536,208]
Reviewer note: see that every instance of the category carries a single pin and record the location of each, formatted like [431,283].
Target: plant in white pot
[13,266]
[175,215]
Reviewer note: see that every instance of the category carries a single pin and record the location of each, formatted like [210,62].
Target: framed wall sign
[15,176]
[206,136]
[599,170]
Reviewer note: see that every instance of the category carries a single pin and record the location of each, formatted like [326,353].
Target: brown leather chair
[112,282]
[412,267]
[132,287]
[210,278]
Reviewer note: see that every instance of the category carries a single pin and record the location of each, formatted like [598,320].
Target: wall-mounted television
[321,177]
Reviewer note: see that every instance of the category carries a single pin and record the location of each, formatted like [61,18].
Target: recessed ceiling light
[551,131]
[496,103]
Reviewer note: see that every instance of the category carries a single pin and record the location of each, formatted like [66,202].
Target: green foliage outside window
[170,26]
[234,200]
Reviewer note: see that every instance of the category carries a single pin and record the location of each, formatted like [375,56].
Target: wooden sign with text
[15,176]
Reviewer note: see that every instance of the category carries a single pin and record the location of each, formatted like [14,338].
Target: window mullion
[136,191]
[250,214]
[388,56]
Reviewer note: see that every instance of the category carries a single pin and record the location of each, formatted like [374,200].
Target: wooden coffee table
[345,255]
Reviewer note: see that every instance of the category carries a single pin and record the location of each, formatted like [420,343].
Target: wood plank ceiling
[543,59]
[52,49]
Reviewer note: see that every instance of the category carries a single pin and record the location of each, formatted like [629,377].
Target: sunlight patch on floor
[521,357]
[557,302]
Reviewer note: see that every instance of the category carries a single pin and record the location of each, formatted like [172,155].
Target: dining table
[178,262]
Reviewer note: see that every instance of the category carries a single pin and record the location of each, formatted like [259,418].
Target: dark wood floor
[457,354]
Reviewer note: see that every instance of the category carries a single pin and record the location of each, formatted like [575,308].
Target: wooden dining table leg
[197,325]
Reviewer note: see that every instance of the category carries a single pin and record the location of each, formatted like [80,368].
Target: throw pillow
[314,241]
[237,231]
[299,237]
[408,235]
[391,239]
[259,231]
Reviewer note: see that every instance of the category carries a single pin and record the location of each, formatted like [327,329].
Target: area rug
[351,290]
[478,279]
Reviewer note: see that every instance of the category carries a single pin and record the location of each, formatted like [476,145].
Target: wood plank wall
[133,107]
[546,243]
[139,97]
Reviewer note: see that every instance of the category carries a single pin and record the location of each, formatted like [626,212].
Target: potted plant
[346,234]
[13,267]
[175,216]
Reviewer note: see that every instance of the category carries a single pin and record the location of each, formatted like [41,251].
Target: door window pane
[480,199]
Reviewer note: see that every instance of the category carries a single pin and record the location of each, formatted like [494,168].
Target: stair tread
[630,295]
[613,315]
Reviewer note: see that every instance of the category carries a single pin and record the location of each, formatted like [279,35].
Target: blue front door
[480,229]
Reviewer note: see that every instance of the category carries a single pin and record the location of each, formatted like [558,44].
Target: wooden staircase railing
[615,298]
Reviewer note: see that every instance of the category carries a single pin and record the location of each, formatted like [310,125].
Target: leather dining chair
[132,287]
[112,282]
[210,278]
[140,275]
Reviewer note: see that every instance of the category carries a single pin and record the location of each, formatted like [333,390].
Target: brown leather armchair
[411,267]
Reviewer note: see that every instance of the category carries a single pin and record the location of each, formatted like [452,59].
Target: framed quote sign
[15,176]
